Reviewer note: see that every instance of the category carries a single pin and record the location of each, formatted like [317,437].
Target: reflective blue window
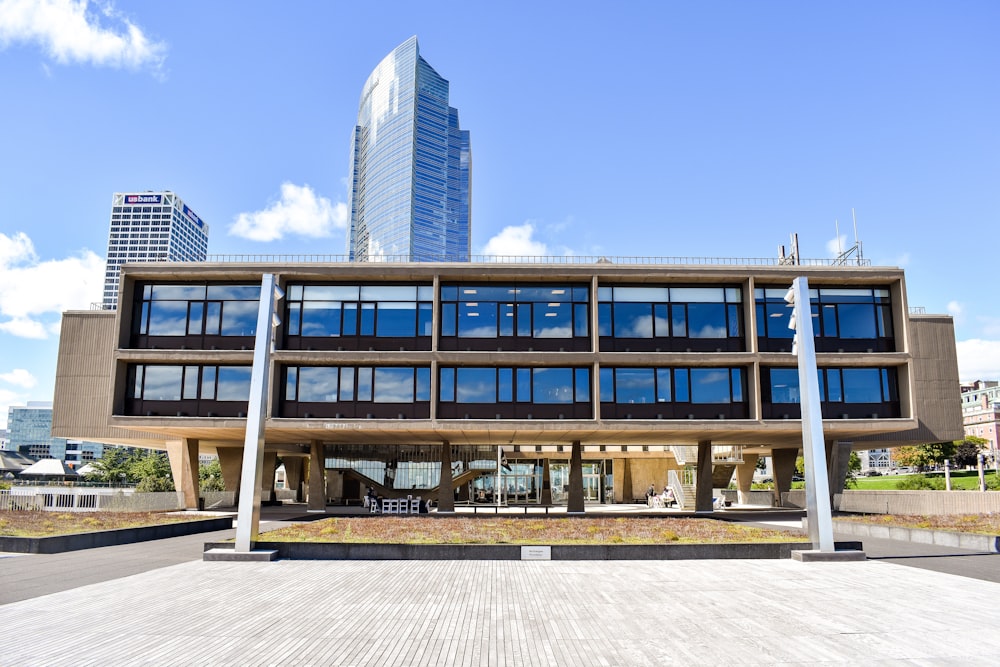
[582,376]
[707,320]
[633,320]
[634,385]
[710,385]
[505,385]
[607,379]
[317,384]
[862,385]
[386,311]
[363,388]
[553,385]
[194,310]
[233,383]
[663,385]
[447,384]
[477,320]
[682,392]
[476,385]
[489,311]
[662,312]
[393,385]
[784,385]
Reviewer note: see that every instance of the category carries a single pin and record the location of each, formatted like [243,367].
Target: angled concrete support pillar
[546,483]
[269,465]
[183,455]
[317,477]
[575,501]
[782,465]
[838,456]
[744,476]
[293,475]
[231,462]
[446,488]
[703,483]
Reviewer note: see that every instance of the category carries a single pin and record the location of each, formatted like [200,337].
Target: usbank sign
[142,199]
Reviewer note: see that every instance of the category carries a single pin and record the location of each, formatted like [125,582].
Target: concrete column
[269,466]
[446,489]
[546,483]
[744,476]
[626,494]
[183,455]
[231,462]
[838,457]
[293,475]
[575,501]
[783,466]
[703,482]
[317,477]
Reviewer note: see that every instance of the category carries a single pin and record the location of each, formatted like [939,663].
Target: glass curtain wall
[846,393]
[195,316]
[670,319]
[514,393]
[515,317]
[844,320]
[188,391]
[673,393]
[346,392]
[352,317]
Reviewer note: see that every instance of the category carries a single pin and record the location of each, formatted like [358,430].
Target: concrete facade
[631,450]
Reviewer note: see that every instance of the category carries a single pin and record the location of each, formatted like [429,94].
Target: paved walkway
[492,613]
[157,603]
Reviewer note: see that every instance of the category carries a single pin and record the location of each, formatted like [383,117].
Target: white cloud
[978,359]
[33,293]
[515,241]
[299,211]
[70,31]
[954,308]
[19,377]
[837,245]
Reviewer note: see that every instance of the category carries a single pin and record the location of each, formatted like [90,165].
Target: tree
[853,468]
[147,470]
[922,457]
[153,472]
[113,468]
[967,451]
[210,477]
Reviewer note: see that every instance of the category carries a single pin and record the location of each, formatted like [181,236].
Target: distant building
[410,166]
[981,412]
[150,227]
[30,433]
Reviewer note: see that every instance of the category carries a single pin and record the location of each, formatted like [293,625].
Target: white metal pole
[248,512]
[820,518]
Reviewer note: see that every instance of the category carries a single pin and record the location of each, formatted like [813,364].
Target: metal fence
[83,499]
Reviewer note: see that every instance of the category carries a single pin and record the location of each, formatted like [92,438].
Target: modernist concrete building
[592,380]
[150,227]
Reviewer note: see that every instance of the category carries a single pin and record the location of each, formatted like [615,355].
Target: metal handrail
[527,259]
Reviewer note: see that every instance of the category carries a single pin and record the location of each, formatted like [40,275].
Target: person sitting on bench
[668,497]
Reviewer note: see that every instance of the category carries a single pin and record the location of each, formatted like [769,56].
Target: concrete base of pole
[256,556]
[817,556]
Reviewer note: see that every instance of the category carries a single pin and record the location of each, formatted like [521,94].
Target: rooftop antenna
[793,257]
[845,256]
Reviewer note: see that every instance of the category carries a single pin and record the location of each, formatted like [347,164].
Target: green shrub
[920,483]
[993,482]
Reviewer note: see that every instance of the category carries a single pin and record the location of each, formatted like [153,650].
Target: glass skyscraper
[410,166]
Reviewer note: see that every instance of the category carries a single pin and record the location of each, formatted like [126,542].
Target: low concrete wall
[930,503]
[990,543]
[107,538]
[925,503]
[338,551]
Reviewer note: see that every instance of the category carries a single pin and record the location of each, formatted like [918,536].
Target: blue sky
[709,129]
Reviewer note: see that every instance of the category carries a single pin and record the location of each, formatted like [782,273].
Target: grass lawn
[20,523]
[582,530]
[961,480]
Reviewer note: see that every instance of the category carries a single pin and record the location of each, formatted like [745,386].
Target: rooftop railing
[537,259]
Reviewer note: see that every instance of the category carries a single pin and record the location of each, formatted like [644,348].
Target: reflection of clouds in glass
[162,383]
[168,318]
[318,384]
[708,331]
[565,331]
[234,384]
[239,318]
[634,385]
[553,385]
[393,385]
[489,331]
[710,386]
